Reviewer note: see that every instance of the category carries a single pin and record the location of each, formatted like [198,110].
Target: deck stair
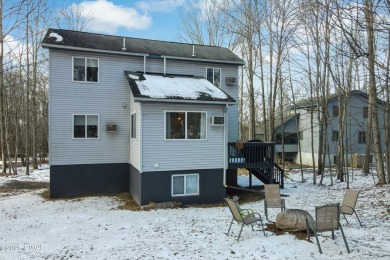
[258,158]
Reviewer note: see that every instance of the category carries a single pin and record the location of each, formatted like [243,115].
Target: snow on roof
[57,36]
[168,87]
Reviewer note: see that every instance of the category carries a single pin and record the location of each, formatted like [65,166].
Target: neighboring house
[150,117]
[297,125]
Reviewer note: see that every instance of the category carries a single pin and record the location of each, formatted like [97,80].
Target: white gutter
[55,46]
[203,60]
[225,157]
[183,101]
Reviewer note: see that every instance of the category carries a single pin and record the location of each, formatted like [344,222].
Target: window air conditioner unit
[230,80]
[111,128]
[217,120]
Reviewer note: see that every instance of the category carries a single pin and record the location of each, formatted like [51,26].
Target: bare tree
[73,17]
[368,11]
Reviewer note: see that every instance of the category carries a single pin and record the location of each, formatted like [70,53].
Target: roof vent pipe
[193,51]
[124,44]
[144,64]
[165,66]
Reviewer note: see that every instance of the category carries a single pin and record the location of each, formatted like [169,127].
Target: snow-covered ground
[94,228]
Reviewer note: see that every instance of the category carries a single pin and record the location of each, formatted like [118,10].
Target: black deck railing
[258,158]
[250,155]
[279,175]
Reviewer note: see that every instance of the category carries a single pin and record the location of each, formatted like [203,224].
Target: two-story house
[297,124]
[150,117]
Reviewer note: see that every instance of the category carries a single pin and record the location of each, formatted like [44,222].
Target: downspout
[225,157]
[140,139]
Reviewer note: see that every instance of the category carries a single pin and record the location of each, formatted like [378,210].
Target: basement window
[185,185]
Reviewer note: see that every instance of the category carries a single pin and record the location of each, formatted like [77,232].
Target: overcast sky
[152,19]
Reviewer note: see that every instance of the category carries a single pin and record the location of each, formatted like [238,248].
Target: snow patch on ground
[40,175]
[94,227]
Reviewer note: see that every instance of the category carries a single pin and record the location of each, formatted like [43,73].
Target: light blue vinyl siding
[180,154]
[110,99]
[355,122]
[199,69]
[135,143]
[105,98]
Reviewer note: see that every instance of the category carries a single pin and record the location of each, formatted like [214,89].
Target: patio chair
[243,219]
[272,198]
[327,218]
[348,205]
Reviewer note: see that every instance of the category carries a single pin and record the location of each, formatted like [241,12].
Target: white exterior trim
[85,62]
[185,127]
[220,76]
[185,184]
[86,138]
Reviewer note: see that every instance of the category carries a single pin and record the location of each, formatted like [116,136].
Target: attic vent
[230,80]
[111,128]
[217,120]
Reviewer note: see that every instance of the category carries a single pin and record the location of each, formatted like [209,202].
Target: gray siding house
[147,117]
[298,126]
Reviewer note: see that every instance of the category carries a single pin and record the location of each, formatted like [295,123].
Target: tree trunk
[368,11]
[27,96]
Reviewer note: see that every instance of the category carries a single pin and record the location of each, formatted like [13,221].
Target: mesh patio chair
[249,218]
[327,219]
[272,198]
[349,203]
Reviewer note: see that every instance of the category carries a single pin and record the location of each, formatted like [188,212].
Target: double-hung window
[85,69]
[335,111]
[214,76]
[185,185]
[86,126]
[185,125]
[361,137]
[365,112]
[335,135]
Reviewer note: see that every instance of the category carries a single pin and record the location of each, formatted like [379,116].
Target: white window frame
[220,76]
[85,62]
[185,127]
[86,138]
[185,184]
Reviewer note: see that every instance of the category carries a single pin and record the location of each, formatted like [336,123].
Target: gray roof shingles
[93,41]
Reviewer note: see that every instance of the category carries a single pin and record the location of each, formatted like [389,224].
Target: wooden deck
[258,159]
